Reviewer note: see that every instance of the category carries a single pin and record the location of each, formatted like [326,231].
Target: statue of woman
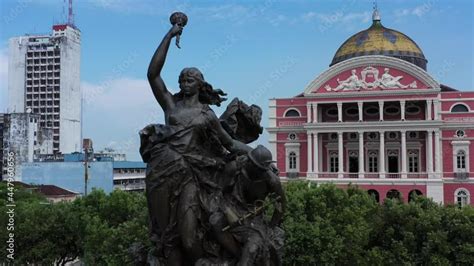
[182,158]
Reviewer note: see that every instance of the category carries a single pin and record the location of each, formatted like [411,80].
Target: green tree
[326,225]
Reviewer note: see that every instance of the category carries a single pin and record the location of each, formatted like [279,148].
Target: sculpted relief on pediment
[368,79]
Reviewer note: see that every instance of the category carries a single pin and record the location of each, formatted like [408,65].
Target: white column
[437,109]
[308,113]
[316,154]
[339,112]
[361,106]
[402,109]
[429,152]
[429,103]
[361,154]
[310,153]
[315,113]
[382,154]
[381,110]
[340,155]
[437,154]
[404,153]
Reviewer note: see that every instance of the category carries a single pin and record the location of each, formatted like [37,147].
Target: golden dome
[378,40]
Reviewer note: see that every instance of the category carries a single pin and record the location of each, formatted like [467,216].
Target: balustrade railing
[378,175]
[393,175]
[417,175]
[328,175]
[371,175]
[351,175]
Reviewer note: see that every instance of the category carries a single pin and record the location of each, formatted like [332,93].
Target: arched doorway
[394,194]
[374,194]
[413,194]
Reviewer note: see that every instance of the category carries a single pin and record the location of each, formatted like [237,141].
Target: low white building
[129,176]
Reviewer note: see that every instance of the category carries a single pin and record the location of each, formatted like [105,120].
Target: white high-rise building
[44,77]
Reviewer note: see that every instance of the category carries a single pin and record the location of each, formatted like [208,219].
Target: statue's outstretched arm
[227,141]
[162,95]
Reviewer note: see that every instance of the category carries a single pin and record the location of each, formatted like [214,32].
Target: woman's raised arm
[162,95]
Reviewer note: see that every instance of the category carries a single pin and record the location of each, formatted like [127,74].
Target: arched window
[292,113]
[413,194]
[374,194]
[462,197]
[461,160]
[394,194]
[459,108]
[292,161]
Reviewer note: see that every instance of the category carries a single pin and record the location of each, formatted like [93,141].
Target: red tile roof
[52,190]
[46,190]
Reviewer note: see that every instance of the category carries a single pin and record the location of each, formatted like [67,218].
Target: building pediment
[371,74]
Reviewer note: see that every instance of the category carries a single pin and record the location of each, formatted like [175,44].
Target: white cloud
[147,7]
[418,11]
[239,14]
[115,110]
[122,104]
[309,16]
[325,21]
[336,17]
[118,93]
[344,17]
[277,20]
[223,12]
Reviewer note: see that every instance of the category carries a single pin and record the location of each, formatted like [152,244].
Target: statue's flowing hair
[207,95]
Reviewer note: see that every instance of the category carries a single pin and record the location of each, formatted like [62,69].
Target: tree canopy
[323,224]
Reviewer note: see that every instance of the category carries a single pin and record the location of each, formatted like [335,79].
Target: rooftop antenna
[70,17]
[63,15]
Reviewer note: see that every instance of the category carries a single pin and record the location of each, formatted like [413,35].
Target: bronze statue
[193,175]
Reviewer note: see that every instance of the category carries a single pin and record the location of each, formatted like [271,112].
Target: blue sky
[254,50]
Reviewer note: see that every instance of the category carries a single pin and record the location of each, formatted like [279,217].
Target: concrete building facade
[22,138]
[44,78]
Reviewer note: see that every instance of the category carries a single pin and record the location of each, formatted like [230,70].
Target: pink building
[377,119]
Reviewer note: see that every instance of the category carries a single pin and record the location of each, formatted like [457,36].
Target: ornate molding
[370,80]
[370,61]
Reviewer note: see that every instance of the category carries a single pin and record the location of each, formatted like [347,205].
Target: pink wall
[457,94]
[449,190]
[447,150]
[282,138]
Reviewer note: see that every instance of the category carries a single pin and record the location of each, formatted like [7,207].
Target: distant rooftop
[128,164]
[46,190]
[52,190]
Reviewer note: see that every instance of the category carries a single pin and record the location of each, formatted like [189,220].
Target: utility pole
[88,150]
[86,169]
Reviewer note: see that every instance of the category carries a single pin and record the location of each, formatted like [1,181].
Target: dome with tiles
[379,40]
